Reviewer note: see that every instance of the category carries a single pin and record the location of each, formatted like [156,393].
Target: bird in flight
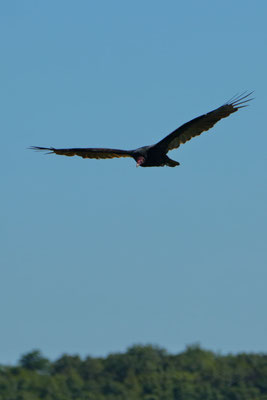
[156,154]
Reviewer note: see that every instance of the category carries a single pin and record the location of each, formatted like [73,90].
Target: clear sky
[99,255]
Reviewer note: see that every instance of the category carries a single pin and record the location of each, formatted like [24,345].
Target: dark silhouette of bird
[156,154]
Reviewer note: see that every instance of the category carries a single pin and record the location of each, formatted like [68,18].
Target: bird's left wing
[203,123]
[97,153]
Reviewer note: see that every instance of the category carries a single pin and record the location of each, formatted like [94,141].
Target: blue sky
[99,255]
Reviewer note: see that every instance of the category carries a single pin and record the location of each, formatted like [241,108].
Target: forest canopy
[141,373]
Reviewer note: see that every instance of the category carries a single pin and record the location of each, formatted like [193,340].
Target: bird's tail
[171,163]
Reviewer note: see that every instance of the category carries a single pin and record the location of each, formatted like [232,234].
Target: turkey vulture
[156,155]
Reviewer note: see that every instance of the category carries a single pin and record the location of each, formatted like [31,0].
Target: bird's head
[140,160]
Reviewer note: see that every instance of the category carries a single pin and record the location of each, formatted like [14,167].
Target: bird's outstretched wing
[203,123]
[97,153]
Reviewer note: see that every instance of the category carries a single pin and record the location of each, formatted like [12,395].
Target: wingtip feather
[38,148]
[239,99]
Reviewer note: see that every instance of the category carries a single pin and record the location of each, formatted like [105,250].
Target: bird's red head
[140,160]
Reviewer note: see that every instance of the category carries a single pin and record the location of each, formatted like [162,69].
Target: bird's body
[156,155]
[152,156]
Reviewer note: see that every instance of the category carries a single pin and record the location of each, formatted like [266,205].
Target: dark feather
[97,153]
[203,123]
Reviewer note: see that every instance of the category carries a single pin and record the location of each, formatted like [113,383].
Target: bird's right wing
[203,123]
[97,153]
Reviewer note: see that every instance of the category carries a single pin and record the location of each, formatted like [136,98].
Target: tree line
[141,373]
